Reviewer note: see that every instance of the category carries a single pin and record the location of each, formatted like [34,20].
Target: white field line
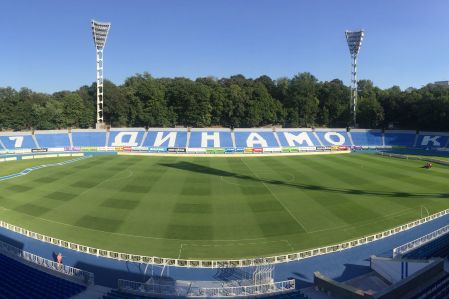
[31,169]
[136,236]
[275,197]
[239,244]
[346,226]
[288,244]
[180,250]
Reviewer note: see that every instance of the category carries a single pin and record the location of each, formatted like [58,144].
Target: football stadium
[225,188]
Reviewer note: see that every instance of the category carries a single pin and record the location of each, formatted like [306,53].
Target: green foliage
[301,101]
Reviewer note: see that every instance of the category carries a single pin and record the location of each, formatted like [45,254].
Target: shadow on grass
[196,168]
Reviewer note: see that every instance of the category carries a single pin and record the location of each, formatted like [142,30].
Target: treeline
[301,101]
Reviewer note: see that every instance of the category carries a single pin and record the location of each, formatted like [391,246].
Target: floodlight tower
[354,39]
[100,33]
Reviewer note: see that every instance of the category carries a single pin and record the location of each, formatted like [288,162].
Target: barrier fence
[403,249]
[244,291]
[78,275]
[231,263]
[187,290]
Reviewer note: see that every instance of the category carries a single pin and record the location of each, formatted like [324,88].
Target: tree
[370,113]
[190,102]
[116,106]
[75,113]
[301,101]
[334,99]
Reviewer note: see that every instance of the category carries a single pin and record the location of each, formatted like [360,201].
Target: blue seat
[436,248]
[224,139]
[367,138]
[255,138]
[166,138]
[89,138]
[125,138]
[334,137]
[17,280]
[53,140]
[396,138]
[18,141]
[431,140]
[297,138]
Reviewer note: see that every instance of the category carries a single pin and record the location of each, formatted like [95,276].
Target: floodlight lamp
[100,33]
[354,39]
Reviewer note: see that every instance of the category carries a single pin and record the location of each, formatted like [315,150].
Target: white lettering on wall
[125,139]
[334,138]
[205,137]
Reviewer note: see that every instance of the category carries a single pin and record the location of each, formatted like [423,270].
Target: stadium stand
[115,294]
[18,280]
[297,137]
[272,139]
[88,138]
[20,140]
[191,289]
[333,137]
[125,137]
[52,139]
[432,139]
[400,138]
[366,137]
[255,138]
[436,248]
[424,278]
[203,138]
[166,138]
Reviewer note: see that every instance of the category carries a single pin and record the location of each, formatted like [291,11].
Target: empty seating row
[18,280]
[220,138]
[436,248]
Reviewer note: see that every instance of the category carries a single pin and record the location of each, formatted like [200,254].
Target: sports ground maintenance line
[30,169]
[275,197]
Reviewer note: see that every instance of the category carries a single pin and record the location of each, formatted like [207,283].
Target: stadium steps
[70,138]
[107,138]
[233,139]
[145,134]
[35,141]
[350,138]
[416,140]
[188,138]
[317,138]
[277,138]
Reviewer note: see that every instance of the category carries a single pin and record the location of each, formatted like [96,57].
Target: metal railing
[187,290]
[74,274]
[412,245]
[153,288]
[244,291]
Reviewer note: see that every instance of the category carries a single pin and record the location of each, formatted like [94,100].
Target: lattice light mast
[100,33]
[354,39]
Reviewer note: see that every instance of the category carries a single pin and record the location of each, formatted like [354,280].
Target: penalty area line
[275,197]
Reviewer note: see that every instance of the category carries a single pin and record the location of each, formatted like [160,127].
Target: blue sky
[46,45]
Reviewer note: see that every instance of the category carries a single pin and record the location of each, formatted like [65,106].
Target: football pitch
[217,208]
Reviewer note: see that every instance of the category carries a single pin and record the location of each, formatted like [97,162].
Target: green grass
[446,159]
[10,167]
[221,207]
